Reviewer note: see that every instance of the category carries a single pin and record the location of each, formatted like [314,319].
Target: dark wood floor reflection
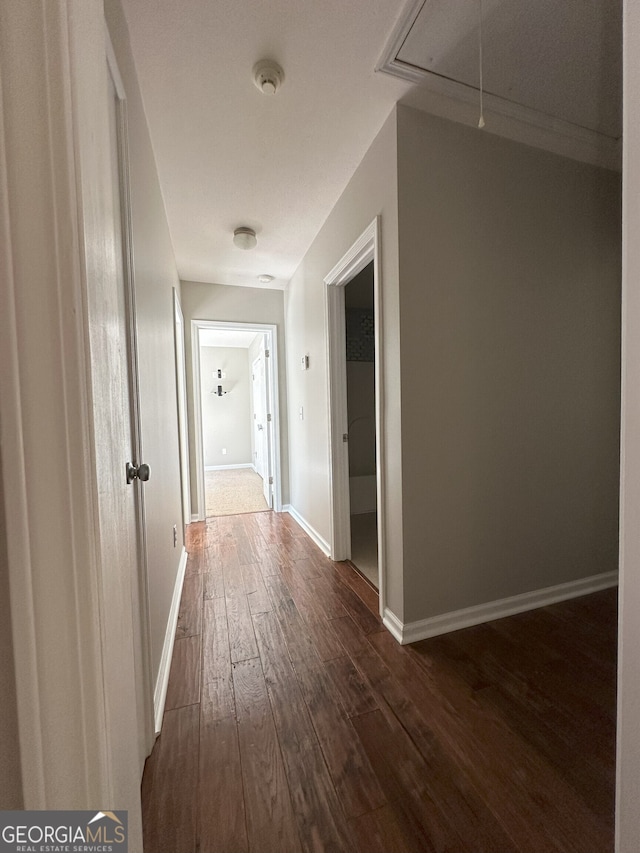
[295,722]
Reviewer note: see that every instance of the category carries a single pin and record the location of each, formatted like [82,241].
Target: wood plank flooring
[295,722]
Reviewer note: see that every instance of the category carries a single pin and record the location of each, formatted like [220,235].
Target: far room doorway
[356,407]
[236,410]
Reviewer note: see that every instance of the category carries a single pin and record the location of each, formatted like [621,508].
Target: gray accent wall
[155,277]
[510,367]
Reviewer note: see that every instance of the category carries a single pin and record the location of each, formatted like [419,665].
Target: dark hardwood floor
[295,722]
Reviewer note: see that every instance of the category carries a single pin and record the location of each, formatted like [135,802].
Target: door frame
[365,250]
[181,394]
[271,332]
[264,440]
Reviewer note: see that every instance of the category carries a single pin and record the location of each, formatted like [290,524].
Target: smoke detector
[268,76]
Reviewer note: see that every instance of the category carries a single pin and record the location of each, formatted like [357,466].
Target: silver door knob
[142,472]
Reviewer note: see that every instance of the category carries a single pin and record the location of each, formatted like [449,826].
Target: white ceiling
[226,338]
[229,156]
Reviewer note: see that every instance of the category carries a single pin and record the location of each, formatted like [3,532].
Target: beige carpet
[234,491]
[364,545]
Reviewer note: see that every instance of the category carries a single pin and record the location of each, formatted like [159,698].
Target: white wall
[155,276]
[236,305]
[226,420]
[372,191]
[510,319]
[628,787]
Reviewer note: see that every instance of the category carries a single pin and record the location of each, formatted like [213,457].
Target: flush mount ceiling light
[265,278]
[268,76]
[245,238]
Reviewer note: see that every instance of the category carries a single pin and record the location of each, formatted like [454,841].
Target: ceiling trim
[580,142]
[388,61]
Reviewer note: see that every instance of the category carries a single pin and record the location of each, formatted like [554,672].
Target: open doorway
[356,406]
[236,418]
[361,413]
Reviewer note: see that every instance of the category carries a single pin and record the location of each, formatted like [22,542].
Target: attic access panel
[561,59]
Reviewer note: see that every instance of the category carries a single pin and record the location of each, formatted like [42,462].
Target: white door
[112,352]
[260,425]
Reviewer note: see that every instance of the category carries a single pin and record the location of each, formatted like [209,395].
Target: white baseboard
[229,467]
[195,517]
[308,529]
[162,681]
[468,616]
[393,625]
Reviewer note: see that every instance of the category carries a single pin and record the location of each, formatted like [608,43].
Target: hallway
[295,722]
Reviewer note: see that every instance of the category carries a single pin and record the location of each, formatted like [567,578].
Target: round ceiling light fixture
[268,76]
[265,278]
[245,238]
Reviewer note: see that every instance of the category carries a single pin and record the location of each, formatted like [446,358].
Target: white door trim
[364,250]
[265,473]
[271,331]
[257,452]
[181,391]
